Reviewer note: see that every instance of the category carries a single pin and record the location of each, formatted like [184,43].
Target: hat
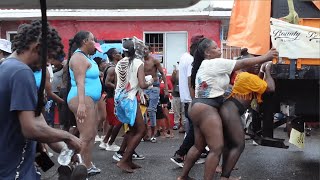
[98,47]
[5,45]
[196,38]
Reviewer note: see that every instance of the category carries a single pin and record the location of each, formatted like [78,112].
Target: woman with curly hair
[20,129]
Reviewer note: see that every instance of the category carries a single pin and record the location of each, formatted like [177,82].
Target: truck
[297,83]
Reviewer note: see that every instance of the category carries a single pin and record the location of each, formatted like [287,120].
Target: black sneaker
[136,156]
[178,160]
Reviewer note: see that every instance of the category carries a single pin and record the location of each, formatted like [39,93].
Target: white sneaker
[113,147]
[255,143]
[97,139]
[50,154]
[200,161]
[153,140]
[103,146]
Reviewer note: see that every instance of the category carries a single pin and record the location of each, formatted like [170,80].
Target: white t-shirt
[127,77]
[49,67]
[185,67]
[213,77]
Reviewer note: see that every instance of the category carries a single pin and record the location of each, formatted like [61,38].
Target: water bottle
[48,106]
[65,155]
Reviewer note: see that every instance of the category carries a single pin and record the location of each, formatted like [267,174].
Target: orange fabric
[247,85]
[317,3]
[250,25]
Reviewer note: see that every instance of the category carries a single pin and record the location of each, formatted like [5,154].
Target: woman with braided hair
[210,78]
[20,129]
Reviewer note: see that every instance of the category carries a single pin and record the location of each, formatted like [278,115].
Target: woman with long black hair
[84,93]
[130,79]
[210,78]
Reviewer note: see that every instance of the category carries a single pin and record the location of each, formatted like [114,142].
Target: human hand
[273,53]
[74,143]
[81,113]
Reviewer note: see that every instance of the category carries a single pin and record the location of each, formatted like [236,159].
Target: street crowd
[208,95]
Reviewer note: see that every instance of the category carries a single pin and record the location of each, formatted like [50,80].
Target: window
[167,47]
[229,52]
[155,41]
[10,35]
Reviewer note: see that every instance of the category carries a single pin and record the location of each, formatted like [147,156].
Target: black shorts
[164,99]
[240,106]
[213,102]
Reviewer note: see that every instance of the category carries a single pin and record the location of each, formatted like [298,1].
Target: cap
[98,47]
[5,45]
[196,38]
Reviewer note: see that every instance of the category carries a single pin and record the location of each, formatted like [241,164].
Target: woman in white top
[130,79]
[210,77]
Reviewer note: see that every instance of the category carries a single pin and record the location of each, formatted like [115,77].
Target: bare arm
[174,76]
[110,77]
[79,66]
[49,92]
[36,128]
[164,77]
[141,78]
[240,64]
[268,78]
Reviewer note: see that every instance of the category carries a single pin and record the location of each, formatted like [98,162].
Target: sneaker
[203,155]
[112,147]
[93,170]
[153,140]
[175,127]
[64,172]
[103,145]
[200,161]
[97,139]
[79,172]
[117,156]
[178,160]
[50,154]
[255,143]
[136,156]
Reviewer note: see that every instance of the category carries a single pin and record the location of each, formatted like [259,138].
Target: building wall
[115,30]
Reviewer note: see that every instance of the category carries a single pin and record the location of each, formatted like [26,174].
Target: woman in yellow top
[247,86]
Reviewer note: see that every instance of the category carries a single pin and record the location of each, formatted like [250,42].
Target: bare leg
[87,129]
[234,137]
[108,134]
[114,134]
[135,135]
[194,153]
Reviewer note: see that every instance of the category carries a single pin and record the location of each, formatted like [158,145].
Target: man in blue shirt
[18,99]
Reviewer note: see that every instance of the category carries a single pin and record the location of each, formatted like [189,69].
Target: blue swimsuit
[37,77]
[92,84]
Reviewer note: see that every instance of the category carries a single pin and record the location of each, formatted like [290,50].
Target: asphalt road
[256,162]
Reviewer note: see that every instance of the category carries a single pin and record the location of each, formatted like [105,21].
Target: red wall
[115,30]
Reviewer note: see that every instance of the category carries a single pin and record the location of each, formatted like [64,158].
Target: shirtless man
[152,67]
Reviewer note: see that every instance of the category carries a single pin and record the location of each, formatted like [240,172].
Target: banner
[249,25]
[295,41]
